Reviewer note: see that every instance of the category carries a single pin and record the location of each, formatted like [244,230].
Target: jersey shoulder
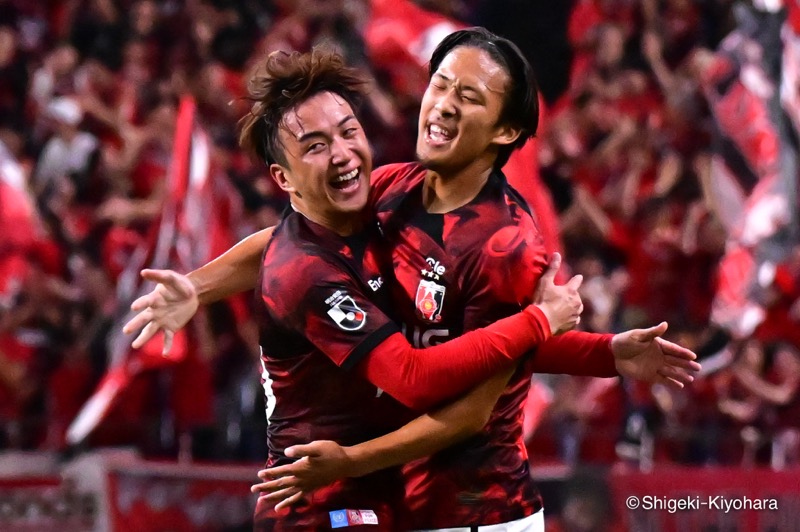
[294,263]
[394,180]
[497,219]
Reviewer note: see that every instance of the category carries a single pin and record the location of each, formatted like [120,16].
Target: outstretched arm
[644,355]
[234,271]
[323,462]
[174,300]
[638,354]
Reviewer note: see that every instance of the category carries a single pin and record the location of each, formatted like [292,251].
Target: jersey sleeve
[422,378]
[576,353]
[321,301]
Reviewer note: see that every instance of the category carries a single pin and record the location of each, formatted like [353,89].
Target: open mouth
[347,181]
[439,135]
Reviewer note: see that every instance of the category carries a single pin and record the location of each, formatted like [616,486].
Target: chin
[425,159]
[435,164]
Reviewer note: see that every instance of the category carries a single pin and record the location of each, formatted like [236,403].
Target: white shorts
[532,523]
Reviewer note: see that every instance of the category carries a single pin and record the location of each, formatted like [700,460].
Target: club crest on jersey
[345,312]
[430,297]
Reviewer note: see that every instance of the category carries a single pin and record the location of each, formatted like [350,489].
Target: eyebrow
[312,134]
[461,88]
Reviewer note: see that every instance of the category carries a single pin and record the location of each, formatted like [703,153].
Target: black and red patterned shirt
[317,319]
[453,273]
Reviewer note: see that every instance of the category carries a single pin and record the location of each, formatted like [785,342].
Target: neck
[447,191]
[342,225]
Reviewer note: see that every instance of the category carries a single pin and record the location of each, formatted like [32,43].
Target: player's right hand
[168,307]
[318,464]
[561,304]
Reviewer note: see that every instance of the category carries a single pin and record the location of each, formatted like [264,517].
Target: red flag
[194,227]
[754,174]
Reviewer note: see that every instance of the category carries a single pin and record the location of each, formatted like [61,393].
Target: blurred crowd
[89,97]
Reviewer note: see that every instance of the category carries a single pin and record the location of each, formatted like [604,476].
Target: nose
[340,151]
[446,104]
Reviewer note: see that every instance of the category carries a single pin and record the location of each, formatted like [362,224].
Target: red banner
[29,504]
[152,496]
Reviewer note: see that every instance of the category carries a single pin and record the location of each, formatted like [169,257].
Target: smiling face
[458,122]
[328,162]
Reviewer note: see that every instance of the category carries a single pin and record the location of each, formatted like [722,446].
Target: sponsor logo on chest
[430,294]
[433,270]
[375,283]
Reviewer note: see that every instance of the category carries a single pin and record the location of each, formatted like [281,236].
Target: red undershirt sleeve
[422,378]
[576,353]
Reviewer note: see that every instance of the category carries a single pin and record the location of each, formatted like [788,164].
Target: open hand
[642,354]
[168,307]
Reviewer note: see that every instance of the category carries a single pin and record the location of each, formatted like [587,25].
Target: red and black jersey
[317,319]
[453,273]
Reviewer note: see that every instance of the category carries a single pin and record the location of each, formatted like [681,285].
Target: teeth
[438,132]
[349,175]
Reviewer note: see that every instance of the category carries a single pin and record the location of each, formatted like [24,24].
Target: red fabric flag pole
[124,362]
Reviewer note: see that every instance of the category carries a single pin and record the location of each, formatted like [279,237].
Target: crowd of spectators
[627,151]
[89,92]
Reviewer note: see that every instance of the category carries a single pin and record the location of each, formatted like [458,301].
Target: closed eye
[438,84]
[470,96]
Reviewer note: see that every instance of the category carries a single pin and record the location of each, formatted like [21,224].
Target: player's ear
[279,174]
[506,134]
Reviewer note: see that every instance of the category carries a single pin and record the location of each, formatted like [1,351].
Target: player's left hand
[168,307]
[642,354]
[319,463]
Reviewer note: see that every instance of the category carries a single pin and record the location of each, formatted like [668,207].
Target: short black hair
[521,105]
[284,81]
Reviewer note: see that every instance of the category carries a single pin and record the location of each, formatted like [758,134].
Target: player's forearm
[234,271]
[576,353]
[430,433]
[423,378]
